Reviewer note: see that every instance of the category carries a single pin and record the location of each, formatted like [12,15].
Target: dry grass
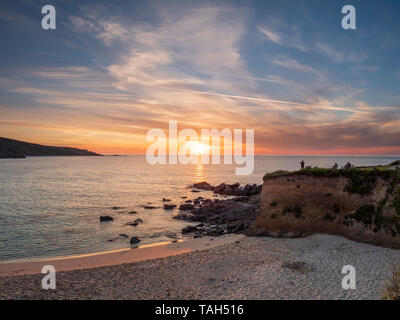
[392,291]
[299,266]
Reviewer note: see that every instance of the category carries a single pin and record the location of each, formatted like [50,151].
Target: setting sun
[200,148]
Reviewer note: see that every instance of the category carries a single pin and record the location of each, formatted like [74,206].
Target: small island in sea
[14,149]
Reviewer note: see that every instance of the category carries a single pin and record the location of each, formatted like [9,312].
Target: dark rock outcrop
[169,206]
[186,206]
[230,189]
[221,216]
[188,229]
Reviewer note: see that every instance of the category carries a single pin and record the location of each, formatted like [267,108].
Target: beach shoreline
[230,267]
[114,257]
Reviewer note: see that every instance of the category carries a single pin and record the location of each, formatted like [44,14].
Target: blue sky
[112,70]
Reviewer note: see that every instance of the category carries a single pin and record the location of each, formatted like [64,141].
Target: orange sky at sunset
[101,81]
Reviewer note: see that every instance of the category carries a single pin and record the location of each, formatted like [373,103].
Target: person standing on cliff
[302,164]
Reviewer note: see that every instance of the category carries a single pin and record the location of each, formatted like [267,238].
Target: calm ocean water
[50,206]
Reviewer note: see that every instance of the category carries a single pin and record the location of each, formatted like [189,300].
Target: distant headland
[13,149]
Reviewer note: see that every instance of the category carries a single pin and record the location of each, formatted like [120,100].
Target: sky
[113,70]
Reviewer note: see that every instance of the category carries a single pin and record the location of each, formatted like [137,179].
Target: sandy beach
[227,267]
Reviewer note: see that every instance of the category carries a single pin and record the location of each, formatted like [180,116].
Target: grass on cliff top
[395,163]
[361,180]
[383,171]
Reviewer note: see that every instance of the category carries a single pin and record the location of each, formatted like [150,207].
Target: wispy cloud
[292,39]
[63,72]
[272,36]
[194,63]
[289,63]
[338,55]
[106,30]
[369,68]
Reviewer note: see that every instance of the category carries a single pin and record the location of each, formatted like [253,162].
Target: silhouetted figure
[335,166]
[302,164]
[347,166]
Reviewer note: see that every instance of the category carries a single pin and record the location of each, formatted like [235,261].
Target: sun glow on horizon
[200,148]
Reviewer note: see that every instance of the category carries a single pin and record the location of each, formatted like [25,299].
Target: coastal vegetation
[296,209]
[361,179]
[392,291]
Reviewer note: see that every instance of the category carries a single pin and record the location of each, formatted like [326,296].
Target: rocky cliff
[362,204]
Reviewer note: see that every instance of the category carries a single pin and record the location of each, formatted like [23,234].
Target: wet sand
[228,267]
[115,257]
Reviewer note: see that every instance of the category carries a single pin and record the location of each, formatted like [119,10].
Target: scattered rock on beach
[166,200]
[123,235]
[132,212]
[135,223]
[106,218]
[135,240]
[116,208]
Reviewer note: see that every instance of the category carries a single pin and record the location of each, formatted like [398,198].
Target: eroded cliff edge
[362,204]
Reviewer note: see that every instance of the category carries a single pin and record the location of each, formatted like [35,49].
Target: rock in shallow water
[106,218]
[189,229]
[150,207]
[203,185]
[186,206]
[169,206]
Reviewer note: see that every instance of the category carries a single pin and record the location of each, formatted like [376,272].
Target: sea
[50,206]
